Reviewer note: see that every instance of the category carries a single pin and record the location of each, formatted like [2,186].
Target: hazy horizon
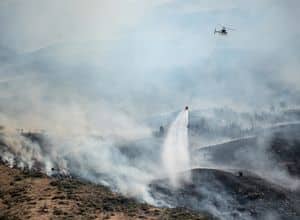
[117,62]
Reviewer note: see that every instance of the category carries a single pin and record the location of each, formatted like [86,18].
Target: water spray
[175,153]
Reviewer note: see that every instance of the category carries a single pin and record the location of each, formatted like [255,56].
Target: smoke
[252,154]
[175,154]
[92,158]
[113,160]
[19,151]
[158,48]
[121,162]
[261,161]
[91,74]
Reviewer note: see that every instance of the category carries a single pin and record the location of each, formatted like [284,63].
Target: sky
[111,61]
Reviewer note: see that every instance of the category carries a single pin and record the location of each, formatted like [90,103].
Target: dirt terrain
[32,195]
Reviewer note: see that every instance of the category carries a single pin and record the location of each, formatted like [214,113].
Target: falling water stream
[175,153]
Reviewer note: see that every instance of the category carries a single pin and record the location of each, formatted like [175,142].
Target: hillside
[274,147]
[230,195]
[32,195]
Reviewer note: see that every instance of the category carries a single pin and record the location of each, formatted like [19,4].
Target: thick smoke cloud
[164,47]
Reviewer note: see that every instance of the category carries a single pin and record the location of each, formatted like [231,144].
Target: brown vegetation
[36,196]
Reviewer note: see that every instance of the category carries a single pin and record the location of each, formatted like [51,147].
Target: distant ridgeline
[231,124]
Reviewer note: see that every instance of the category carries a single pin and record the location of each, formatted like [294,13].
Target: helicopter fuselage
[221,32]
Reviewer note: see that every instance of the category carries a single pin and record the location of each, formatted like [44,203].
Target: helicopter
[223,30]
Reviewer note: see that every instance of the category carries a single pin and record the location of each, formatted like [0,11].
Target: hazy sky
[143,57]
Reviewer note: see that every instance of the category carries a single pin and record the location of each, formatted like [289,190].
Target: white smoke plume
[104,159]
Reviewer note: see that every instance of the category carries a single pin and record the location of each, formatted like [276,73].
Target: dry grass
[35,196]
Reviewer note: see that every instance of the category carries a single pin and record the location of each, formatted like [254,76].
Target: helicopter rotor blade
[228,27]
[232,29]
[219,26]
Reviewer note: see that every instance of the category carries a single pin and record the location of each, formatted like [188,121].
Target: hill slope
[230,196]
[32,195]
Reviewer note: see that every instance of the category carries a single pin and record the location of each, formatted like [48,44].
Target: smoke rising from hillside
[90,75]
